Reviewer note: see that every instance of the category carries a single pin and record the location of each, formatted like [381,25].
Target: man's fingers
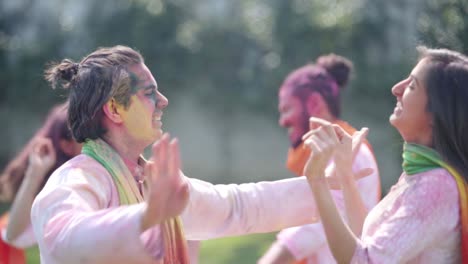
[160,154]
[174,157]
[148,172]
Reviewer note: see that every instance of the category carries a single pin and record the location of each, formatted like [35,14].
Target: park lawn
[32,255]
[244,249]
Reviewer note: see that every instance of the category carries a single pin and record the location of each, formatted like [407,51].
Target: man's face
[142,118]
[293,116]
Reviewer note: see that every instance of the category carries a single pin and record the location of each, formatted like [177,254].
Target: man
[109,205]
[314,91]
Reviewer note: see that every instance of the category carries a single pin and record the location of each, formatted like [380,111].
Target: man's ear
[113,110]
[315,105]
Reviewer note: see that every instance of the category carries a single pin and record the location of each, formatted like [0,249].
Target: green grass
[32,255]
[244,249]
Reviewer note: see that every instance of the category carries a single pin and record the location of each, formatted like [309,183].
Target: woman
[423,219]
[25,176]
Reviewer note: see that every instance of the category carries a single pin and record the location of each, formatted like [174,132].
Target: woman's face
[410,116]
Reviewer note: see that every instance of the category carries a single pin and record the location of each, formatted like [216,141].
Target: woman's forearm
[20,212]
[356,210]
[341,239]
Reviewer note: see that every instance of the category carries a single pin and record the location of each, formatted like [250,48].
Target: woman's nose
[397,89]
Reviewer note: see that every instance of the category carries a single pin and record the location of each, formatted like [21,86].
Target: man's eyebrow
[150,87]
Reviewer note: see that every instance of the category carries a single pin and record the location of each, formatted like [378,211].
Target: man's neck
[128,151]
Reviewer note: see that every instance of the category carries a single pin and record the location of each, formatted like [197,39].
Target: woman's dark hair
[446,84]
[100,76]
[55,127]
[328,76]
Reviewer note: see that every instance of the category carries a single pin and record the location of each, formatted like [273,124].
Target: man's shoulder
[81,166]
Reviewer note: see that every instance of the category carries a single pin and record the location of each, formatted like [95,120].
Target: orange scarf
[463,190]
[8,253]
[463,193]
[297,158]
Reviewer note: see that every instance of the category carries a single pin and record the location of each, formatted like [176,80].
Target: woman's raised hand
[344,148]
[42,158]
[323,141]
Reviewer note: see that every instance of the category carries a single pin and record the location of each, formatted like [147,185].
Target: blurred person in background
[24,177]
[424,217]
[314,90]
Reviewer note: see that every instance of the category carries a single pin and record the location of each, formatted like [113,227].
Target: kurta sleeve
[227,210]
[75,221]
[421,211]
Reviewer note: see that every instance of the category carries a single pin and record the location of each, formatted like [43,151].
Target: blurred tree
[444,23]
[224,53]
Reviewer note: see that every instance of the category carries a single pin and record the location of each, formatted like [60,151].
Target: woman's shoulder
[437,176]
[432,185]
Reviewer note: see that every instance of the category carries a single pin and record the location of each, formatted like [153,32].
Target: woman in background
[24,177]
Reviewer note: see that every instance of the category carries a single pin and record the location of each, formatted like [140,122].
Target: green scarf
[175,248]
[121,175]
[417,159]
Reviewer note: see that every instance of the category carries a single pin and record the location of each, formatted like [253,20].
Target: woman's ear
[112,110]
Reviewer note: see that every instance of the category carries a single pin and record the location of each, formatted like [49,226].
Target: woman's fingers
[324,136]
[341,134]
[358,138]
[315,122]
